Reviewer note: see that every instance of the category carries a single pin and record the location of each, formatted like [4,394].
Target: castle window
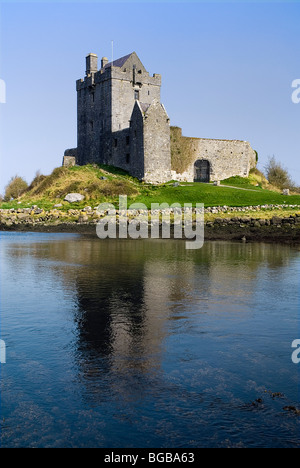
[127,158]
[92,125]
[93,97]
[127,140]
[116,142]
[136,94]
[148,93]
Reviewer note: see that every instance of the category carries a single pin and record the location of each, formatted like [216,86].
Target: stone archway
[202,170]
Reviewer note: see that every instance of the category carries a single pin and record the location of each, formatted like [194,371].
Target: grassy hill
[104,184]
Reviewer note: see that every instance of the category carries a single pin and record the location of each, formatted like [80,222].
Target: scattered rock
[276,220]
[22,216]
[74,197]
[292,409]
[275,394]
[218,220]
[83,219]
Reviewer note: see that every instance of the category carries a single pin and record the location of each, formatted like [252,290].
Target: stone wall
[236,226]
[69,161]
[226,158]
[129,83]
[157,153]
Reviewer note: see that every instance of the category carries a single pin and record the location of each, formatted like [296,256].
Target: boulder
[276,220]
[74,197]
[83,219]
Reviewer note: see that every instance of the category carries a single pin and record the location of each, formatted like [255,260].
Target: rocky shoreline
[233,223]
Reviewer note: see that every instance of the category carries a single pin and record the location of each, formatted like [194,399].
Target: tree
[277,175]
[15,188]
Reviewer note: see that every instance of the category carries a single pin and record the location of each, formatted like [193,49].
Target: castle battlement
[128,68]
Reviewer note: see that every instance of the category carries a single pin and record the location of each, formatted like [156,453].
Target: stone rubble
[88,215]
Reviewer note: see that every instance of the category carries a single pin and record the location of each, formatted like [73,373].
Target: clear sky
[227,71]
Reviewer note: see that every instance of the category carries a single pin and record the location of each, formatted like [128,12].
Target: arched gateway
[202,171]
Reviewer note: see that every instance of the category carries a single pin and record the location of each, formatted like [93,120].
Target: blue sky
[227,72]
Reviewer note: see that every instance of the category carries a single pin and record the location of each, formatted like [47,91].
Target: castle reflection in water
[126,291]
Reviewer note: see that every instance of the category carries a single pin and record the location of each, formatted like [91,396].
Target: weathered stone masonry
[121,122]
[225,158]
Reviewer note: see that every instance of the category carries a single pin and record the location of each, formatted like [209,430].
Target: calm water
[145,344]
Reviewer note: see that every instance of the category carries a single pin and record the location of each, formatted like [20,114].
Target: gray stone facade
[151,155]
[220,159]
[121,122]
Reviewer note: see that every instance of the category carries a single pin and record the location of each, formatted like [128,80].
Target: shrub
[15,188]
[277,175]
[38,178]
[46,182]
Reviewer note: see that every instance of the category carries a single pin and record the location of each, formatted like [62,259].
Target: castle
[121,122]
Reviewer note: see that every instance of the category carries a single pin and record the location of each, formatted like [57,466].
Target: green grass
[87,180]
[215,196]
[241,182]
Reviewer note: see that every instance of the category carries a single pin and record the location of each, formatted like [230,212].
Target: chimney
[104,62]
[91,63]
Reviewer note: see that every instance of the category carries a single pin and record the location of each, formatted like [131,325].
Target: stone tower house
[121,122]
